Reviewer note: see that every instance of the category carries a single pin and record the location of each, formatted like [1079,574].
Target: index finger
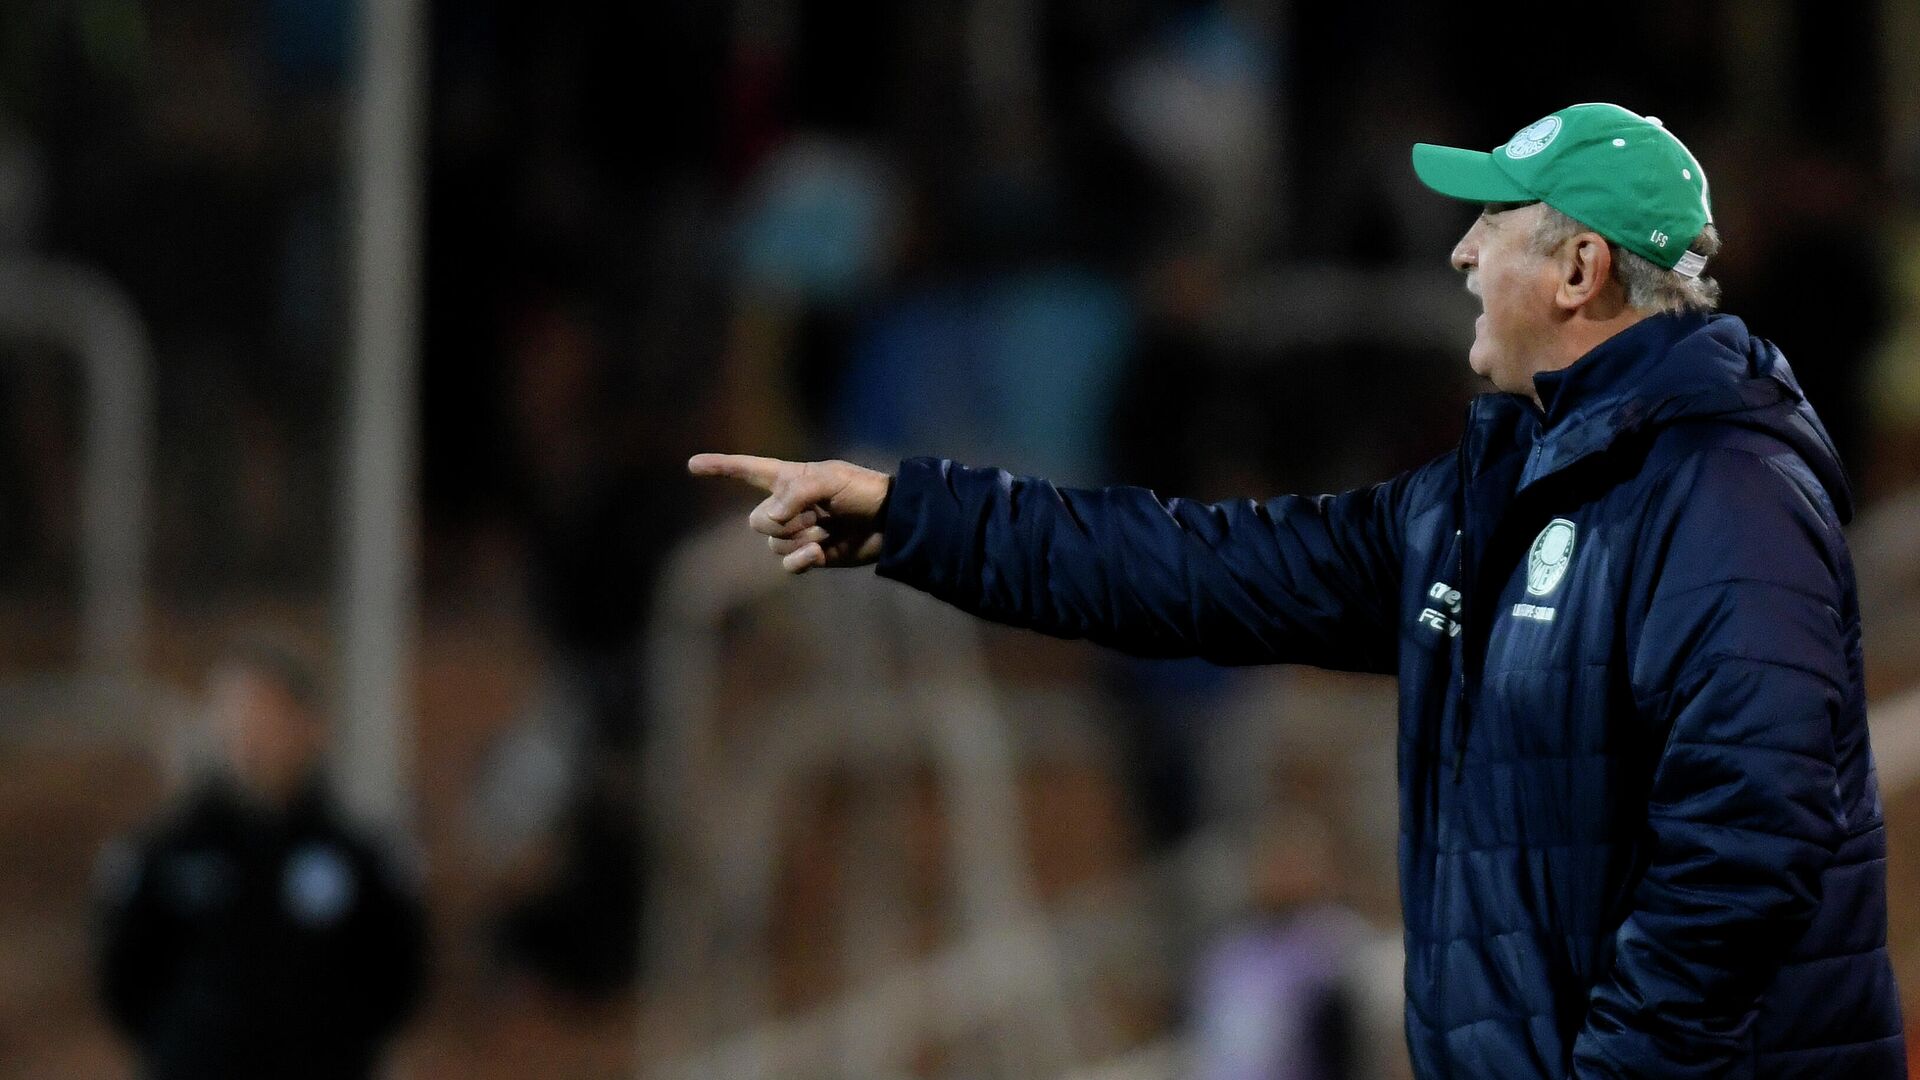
[761,472]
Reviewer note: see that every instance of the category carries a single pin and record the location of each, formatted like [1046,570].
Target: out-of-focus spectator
[581,429]
[1202,103]
[252,932]
[1271,999]
[1028,363]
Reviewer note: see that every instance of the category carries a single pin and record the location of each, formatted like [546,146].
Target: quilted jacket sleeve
[1741,671]
[1296,579]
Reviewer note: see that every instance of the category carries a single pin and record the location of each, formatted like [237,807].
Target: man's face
[272,742]
[1515,286]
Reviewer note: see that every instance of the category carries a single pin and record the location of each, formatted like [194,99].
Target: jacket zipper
[1459,669]
[1460,579]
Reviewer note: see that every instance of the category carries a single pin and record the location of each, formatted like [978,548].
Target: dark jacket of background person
[240,942]
[1640,830]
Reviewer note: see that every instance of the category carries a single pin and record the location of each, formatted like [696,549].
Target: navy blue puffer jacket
[1640,830]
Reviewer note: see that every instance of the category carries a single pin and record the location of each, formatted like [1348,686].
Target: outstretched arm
[1295,579]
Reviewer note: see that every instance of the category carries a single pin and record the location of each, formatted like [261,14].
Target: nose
[1466,253]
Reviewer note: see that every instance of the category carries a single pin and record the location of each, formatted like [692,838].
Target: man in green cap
[1635,191]
[1640,830]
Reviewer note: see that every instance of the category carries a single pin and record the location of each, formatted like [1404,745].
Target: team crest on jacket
[1547,562]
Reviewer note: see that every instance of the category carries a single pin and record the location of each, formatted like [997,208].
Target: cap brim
[1465,174]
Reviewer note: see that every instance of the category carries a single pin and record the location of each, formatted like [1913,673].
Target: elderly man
[1640,830]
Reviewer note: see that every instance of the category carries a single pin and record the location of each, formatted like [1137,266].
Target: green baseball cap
[1621,174]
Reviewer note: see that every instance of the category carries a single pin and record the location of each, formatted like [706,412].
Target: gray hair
[1649,286]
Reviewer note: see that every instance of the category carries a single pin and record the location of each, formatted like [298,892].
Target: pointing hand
[816,513]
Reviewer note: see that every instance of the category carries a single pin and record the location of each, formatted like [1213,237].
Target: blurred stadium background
[393,327]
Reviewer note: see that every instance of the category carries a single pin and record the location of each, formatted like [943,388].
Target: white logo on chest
[1448,621]
[1547,561]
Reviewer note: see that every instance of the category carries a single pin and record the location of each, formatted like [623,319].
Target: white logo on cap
[1533,138]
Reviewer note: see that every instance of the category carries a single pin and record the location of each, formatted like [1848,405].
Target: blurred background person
[252,932]
[1271,999]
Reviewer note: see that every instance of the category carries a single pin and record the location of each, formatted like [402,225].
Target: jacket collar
[1658,370]
[1617,372]
[1591,404]
[1665,368]
[1583,407]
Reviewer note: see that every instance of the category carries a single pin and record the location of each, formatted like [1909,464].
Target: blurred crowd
[1170,242]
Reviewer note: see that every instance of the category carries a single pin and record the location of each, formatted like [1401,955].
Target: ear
[1586,271]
